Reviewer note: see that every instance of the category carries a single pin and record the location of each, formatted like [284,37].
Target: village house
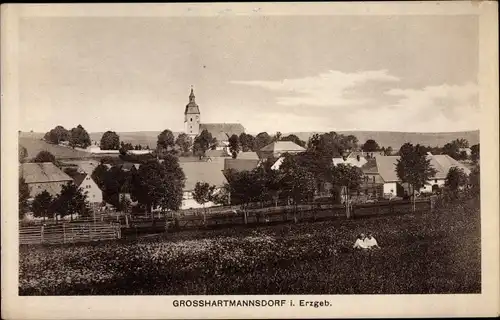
[89,187]
[220,131]
[277,148]
[239,165]
[43,177]
[209,172]
[392,186]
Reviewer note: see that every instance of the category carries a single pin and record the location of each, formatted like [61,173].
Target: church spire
[191,96]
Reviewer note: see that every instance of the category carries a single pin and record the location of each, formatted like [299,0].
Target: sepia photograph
[249,154]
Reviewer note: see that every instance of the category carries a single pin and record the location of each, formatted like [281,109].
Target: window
[435,180]
[191,119]
[373,179]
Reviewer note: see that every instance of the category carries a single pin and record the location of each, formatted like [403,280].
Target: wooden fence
[69,232]
[307,212]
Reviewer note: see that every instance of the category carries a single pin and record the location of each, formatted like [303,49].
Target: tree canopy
[70,201]
[110,141]
[44,156]
[370,146]
[204,142]
[42,204]
[79,137]
[475,153]
[262,140]
[413,166]
[247,142]
[23,153]
[24,195]
[234,145]
[455,179]
[184,142]
[294,139]
[165,142]
[56,135]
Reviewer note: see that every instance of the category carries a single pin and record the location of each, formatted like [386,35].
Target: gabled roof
[209,172]
[370,166]
[216,154]
[221,131]
[282,146]
[42,172]
[248,156]
[79,178]
[442,163]
[239,165]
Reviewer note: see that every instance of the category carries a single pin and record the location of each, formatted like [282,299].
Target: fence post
[64,233]
[41,234]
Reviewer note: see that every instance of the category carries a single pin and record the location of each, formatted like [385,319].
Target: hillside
[383,138]
[34,145]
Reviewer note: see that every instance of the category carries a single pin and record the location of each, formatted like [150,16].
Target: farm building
[43,177]
[89,187]
[209,172]
[278,148]
[239,165]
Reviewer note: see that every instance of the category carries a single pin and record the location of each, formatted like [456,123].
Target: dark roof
[241,164]
[370,166]
[192,108]
[78,178]
[221,131]
[209,172]
[42,172]
[282,146]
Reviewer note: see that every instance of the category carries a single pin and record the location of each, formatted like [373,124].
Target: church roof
[192,107]
[221,131]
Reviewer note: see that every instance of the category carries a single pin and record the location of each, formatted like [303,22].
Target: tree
[203,193]
[79,137]
[23,153]
[461,143]
[110,141]
[71,171]
[70,201]
[42,204]
[330,144]
[44,156]
[453,149]
[475,181]
[298,184]
[247,142]
[159,184]
[294,139]
[455,179]
[277,136]
[348,179]
[244,187]
[184,142]
[165,142]
[234,145]
[414,167]
[56,135]
[203,142]
[388,151]
[125,147]
[24,195]
[475,153]
[99,175]
[370,146]
[262,140]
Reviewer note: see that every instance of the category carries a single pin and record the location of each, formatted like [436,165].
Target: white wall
[94,194]
[390,188]
[428,187]
[189,203]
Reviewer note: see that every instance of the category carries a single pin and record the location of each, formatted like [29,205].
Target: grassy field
[420,254]
[34,146]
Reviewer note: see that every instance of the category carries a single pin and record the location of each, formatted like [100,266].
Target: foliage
[165,142]
[244,187]
[125,147]
[234,145]
[247,142]
[453,149]
[370,146]
[297,182]
[44,156]
[294,139]
[23,153]
[455,179]
[98,175]
[79,137]
[110,141]
[413,166]
[475,153]
[203,142]
[71,171]
[159,184]
[475,180]
[261,140]
[70,201]
[420,255]
[331,144]
[277,136]
[42,204]
[184,142]
[56,135]
[24,195]
[344,175]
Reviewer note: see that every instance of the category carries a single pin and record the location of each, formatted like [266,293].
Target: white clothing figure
[370,242]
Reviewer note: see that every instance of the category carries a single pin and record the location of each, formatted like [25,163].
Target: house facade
[44,177]
[89,187]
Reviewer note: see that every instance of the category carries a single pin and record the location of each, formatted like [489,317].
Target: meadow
[420,253]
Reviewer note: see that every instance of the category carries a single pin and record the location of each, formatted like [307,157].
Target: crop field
[34,146]
[420,253]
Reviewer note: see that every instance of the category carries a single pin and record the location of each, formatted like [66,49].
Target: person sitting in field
[360,243]
[370,242]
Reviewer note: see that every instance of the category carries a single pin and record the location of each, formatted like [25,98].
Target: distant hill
[397,139]
[34,145]
[383,138]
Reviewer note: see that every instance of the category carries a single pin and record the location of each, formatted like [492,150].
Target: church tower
[192,117]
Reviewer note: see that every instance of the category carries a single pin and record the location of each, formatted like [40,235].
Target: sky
[269,73]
